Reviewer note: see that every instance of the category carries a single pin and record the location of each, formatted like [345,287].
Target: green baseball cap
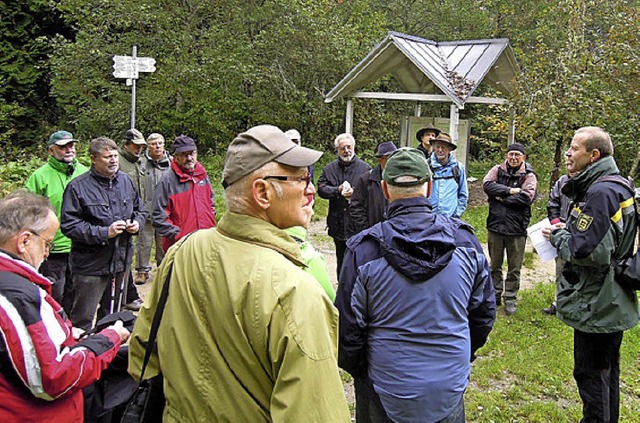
[61,138]
[406,167]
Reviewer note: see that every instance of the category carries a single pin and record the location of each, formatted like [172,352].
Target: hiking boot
[141,278]
[510,308]
[551,310]
[134,305]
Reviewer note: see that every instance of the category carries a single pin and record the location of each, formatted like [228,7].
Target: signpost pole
[133,90]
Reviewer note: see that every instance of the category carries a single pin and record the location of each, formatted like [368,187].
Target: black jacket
[91,203]
[367,202]
[510,214]
[333,175]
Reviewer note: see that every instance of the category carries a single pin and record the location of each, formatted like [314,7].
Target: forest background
[224,66]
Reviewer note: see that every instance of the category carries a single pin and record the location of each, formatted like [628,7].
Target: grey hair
[597,138]
[405,192]
[155,136]
[22,210]
[238,194]
[344,136]
[100,144]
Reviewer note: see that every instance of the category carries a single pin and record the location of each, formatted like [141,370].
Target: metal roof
[421,66]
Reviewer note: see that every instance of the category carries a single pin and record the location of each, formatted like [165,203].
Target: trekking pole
[124,282]
[112,268]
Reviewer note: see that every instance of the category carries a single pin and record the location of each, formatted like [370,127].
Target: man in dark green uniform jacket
[600,229]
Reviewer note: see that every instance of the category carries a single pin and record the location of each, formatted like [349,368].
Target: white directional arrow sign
[127,67]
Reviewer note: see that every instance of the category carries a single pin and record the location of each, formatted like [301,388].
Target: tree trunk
[558,161]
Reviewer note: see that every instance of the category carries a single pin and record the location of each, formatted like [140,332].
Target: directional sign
[128,67]
[146,64]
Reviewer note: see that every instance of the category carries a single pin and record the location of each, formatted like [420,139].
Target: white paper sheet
[543,247]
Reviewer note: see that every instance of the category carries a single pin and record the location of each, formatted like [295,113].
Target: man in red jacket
[43,369]
[184,201]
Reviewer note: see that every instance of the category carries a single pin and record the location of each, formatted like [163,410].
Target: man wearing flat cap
[368,201]
[50,180]
[450,193]
[511,188]
[184,200]
[252,336]
[424,137]
[415,301]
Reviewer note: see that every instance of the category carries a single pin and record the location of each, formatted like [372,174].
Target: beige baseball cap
[260,145]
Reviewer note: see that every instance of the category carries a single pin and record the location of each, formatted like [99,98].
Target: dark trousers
[374,410]
[56,268]
[341,247]
[597,374]
[514,246]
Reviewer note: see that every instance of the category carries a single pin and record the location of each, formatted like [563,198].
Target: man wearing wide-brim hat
[424,137]
[450,193]
[368,202]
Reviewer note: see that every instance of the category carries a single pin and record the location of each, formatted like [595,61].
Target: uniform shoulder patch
[584,221]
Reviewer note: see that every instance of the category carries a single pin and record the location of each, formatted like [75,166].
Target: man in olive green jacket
[600,229]
[247,335]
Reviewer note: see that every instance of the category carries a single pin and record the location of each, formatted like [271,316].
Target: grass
[524,372]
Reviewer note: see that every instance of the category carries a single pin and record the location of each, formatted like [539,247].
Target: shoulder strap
[155,324]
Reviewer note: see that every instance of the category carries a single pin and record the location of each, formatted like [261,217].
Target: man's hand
[546,232]
[513,191]
[117,228]
[120,330]
[132,226]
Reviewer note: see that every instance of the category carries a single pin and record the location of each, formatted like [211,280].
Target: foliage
[27,112]
[524,372]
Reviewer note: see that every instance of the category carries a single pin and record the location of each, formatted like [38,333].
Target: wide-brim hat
[428,128]
[446,138]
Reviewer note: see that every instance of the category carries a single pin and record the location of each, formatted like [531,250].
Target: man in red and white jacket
[184,201]
[43,368]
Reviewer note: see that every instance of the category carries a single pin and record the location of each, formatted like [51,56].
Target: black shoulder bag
[147,403]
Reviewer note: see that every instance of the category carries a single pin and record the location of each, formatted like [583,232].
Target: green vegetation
[524,372]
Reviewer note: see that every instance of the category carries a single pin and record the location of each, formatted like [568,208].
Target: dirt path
[539,272]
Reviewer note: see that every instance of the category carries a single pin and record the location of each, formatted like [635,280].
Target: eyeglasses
[49,245]
[306,178]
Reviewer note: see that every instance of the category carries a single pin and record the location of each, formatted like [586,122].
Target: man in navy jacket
[415,301]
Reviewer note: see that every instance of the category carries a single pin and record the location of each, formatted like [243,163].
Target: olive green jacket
[601,227]
[246,335]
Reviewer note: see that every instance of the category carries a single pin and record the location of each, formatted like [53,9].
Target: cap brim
[64,142]
[139,142]
[299,157]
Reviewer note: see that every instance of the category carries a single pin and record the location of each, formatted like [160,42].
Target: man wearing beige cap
[252,336]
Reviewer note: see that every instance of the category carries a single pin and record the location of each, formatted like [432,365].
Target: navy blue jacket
[90,204]
[415,303]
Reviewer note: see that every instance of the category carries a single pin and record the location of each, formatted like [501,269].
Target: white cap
[293,135]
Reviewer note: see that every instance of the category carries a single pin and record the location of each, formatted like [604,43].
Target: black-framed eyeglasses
[306,178]
[49,245]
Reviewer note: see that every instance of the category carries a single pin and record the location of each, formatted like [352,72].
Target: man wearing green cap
[50,180]
[415,301]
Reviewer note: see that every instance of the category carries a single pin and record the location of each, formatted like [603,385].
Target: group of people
[250,332]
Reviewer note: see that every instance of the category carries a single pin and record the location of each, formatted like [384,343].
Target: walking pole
[112,268]
[124,285]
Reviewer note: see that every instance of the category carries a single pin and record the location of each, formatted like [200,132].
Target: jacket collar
[578,185]
[257,231]
[199,173]
[164,162]
[62,167]
[130,157]
[11,263]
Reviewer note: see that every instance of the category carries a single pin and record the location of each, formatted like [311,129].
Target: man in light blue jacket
[450,193]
